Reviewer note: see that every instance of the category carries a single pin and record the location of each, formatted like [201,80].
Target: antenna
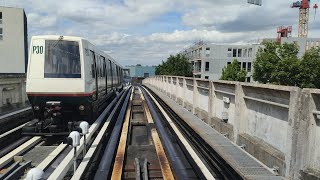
[315,7]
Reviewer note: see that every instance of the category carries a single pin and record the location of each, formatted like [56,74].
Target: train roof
[75,38]
[57,37]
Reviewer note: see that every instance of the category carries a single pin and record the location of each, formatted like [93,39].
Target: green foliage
[233,72]
[177,65]
[277,64]
[310,69]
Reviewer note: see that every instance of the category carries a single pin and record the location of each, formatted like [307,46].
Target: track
[140,152]
[10,126]
[136,137]
[213,162]
[44,153]
[150,146]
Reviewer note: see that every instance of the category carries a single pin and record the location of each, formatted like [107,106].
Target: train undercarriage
[54,117]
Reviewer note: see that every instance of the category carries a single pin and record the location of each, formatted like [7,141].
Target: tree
[265,63]
[310,69]
[277,64]
[177,65]
[233,72]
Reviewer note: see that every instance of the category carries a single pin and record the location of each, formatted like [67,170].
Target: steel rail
[19,150]
[214,160]
[65,165]
[178,166]
[120,155]
[14,113]
[198,161]
[163,160]
[94,146]
[103,171]
[14,145]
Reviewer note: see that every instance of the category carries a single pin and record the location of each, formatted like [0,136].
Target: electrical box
[226,100]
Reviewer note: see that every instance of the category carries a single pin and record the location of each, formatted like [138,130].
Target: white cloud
[39,21]
[121,27]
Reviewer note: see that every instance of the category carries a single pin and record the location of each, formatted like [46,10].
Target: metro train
[68,81]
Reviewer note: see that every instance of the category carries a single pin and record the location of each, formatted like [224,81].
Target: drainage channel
[144,157]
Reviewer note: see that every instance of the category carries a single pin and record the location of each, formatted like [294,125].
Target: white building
[209,60]
[303,43]
[13,41]
[13,57]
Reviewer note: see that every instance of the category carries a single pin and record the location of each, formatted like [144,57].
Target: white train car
[68,80]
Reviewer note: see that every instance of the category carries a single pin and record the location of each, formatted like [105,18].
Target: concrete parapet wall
[222,127]
[279,125]
[12,90]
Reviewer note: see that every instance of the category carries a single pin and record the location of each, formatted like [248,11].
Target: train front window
[62,59]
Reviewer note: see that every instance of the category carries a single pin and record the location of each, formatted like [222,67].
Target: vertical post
[292,132]
[177,88]
[306,142]
[167,85]
[241,124]
[184,85]
[211,105]
[84,145]
[195,96]
[74,160]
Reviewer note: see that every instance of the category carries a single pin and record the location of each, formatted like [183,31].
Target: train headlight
[36,108]
[81,107]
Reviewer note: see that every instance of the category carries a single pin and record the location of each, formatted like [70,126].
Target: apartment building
[13,41]
[208,60]
[13,57]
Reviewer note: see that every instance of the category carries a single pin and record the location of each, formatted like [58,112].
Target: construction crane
[304,7]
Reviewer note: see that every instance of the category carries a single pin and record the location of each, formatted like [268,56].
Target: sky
[148,31]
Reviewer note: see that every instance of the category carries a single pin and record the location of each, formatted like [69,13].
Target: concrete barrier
[279,125]
[12,90]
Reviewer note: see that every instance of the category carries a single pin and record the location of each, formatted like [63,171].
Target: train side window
[93,64]
[114,71]
[99,67]
[104,66]
[110,74]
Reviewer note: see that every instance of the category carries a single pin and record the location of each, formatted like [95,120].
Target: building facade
[13,57]
[141,71]
[303,43]
[209,60]
[13,41]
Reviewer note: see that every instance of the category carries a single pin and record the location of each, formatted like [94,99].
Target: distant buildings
[141,71]
[303,43]
[13,41]
[208,60]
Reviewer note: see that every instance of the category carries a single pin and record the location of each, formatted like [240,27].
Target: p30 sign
[37,49]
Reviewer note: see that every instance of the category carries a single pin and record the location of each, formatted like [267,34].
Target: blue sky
[148,31]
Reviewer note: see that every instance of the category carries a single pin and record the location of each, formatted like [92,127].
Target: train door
[94,73]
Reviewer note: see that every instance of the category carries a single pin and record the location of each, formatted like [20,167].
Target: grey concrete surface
[12,92]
